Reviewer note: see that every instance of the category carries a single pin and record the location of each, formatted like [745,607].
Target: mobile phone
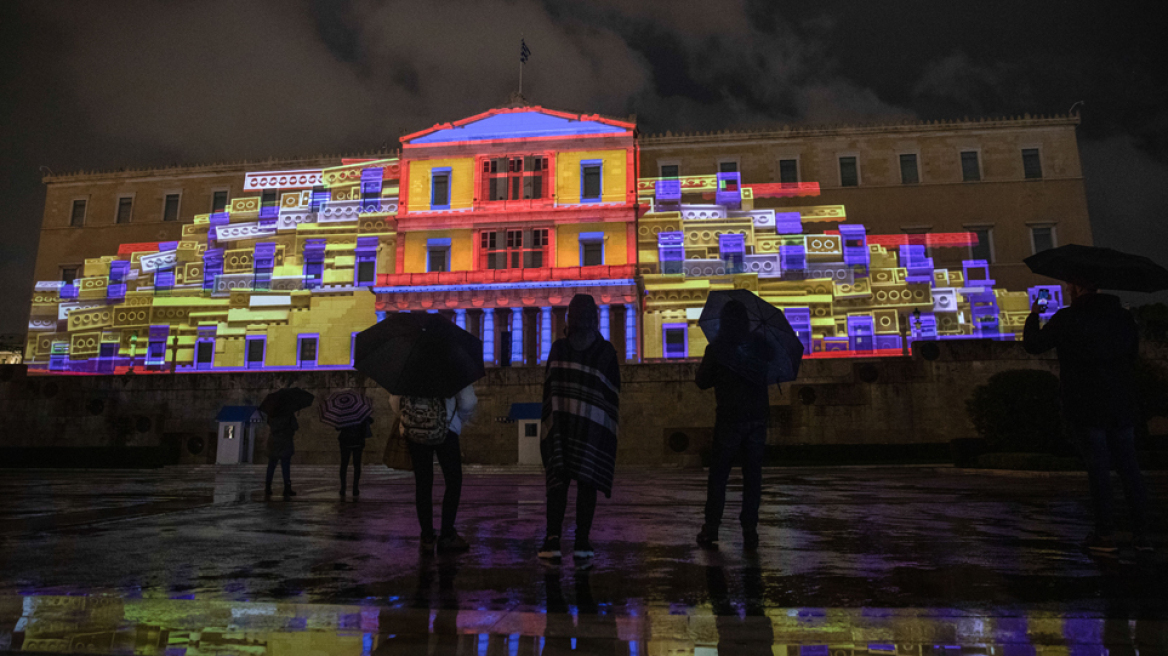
[1043,299]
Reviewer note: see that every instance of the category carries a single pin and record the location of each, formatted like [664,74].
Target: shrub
[1018,411]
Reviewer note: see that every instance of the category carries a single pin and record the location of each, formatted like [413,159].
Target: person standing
[432,427]
[581,414]
[352,442]
[1097,342]
[283,427]
[739,424]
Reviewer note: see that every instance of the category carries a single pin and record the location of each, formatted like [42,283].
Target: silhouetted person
[352,442]
[1098,344]
[581,414]
[739,424]
[280,449]
[431,431]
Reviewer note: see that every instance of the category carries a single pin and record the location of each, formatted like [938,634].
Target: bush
[1018,411]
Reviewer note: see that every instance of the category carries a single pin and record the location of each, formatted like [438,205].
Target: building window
[970,168]
[513,248]
[440,189]
[670,170]
[919,237]
[849,172]
[170,207]
[789,171]
[515,178]
[908,169]
[219,201]
[674,340]
[306,350]
[68,275]
[125,207]
[728,166]
[984,248]
[438,255]
[366,272]
[592,249]
[254,357]
[77,217]
[1032,163]
[1042,238]
[204,354]
[590,187]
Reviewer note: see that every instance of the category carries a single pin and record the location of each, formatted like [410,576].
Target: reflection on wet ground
[882,561]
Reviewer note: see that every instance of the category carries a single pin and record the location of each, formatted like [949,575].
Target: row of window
[516,177]
[1042,238]
[849,168]
[124,210]
[514,248]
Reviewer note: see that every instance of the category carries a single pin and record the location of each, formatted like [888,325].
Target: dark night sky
[87,85]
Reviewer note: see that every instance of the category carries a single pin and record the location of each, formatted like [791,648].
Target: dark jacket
[1098,343]
[738,399]
[282,427]
[353,437]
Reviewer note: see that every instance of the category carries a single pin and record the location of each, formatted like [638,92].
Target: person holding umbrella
[428,365]
[752,346]
[281,407]
[581,414]
[1097,342]
[351,414]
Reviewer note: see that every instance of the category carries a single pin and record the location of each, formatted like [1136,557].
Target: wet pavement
[887,561]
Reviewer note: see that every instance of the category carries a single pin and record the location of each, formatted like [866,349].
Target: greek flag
[524,51]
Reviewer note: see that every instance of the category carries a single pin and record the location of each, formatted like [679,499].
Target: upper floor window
[515,178]
[670,170]
[77,217]
[440,189]
[438,255]
[970,167]
[592,249]
[728,166]
[68,275]
[170,207]
[1042,238]
[219,200]
[513,248]
[125,207]
[590,183]
[849,172]
[984,248]
[789,171]
[1032,163]
[908,169]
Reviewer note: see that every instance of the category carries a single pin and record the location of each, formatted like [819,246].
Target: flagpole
[521,77]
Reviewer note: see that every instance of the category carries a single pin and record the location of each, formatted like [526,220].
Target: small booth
[237,429]
[527,417]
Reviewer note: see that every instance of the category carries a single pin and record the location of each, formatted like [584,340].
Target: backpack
[424,420]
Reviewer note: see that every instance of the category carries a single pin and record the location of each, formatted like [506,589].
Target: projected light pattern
[496,221]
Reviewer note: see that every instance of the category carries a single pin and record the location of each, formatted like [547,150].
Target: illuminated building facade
[497,220]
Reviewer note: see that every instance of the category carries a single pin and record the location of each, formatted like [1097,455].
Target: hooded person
[581,415]
[742,409]
[1097,342]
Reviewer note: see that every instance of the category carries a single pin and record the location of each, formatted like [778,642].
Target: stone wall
[665,418]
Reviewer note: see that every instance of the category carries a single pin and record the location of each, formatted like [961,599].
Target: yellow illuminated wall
[462,172]
[613,181]
[568,243]
[461,249]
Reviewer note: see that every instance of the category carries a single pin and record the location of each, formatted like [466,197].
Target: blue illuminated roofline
[503,286]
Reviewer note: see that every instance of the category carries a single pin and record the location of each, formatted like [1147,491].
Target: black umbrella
[286,401]
[1099,268]
[419,354]
[767,323]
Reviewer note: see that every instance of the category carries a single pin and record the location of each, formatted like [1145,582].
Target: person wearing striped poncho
[581,413]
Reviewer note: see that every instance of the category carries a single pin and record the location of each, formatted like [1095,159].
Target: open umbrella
[286,401]
[419,354]
[1100,268]
[342,409]
[768,325]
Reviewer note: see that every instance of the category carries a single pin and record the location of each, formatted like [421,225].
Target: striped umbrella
[342,409]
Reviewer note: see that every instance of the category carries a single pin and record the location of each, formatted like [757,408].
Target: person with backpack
[431,426]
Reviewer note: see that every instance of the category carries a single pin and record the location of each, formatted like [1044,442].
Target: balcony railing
[490,276]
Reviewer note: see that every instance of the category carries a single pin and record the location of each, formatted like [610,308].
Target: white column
[630,332]
[604,323]
[488,335]
[517,335]
[545,333]
[460,318]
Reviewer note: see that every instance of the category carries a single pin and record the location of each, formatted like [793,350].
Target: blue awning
[236,413]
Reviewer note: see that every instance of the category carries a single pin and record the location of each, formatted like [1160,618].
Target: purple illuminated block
[269,212]
[667,192]
[834,344]
[116,289]
[371,189]
[860,333]
[68,291]
[264,261]
[167,246]
[212,267]
[977,273]
[729,191]
[793,261]
[885,342]
[984,311]
[800,320]
[788,223]
[1054,298]
[854,241]
[320,196]
[313,262]
[671,251]
[365,269]
[732,250]
[163,281]
[918,268]
[217,219]
[156,346]
[923,326]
